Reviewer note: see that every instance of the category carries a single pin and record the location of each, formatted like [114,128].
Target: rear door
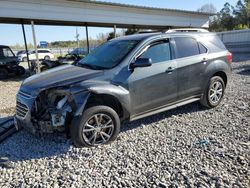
[191,57]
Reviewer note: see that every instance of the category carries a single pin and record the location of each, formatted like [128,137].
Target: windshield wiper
[86,66]
[95,67]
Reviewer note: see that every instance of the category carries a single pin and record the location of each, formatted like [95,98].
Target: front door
[155,86]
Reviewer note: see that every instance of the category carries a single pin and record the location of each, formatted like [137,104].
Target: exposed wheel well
[222,75]
[107,100]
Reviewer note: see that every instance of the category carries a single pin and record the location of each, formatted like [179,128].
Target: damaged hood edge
[57,77]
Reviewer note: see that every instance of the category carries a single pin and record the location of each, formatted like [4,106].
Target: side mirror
[141,62]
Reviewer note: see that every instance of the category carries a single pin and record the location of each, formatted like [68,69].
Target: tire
[20,71]
[92,115]
[3,73]
[47,57]
[209,100]
[44,68]
[25,59]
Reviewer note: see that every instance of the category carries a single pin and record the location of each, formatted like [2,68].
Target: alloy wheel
[98,129]
[216,92]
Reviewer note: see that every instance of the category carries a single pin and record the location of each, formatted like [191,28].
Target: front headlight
[1,63]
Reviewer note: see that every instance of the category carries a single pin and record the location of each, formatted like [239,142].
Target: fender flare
[214,67]
[121,94]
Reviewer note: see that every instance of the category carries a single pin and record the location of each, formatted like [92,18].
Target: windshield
[6,52]
[109,54]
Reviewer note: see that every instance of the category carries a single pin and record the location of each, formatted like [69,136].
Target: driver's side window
[158,52]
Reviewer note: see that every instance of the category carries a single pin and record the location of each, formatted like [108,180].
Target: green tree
[242,12]
[230,18]
[224,20]
[228,21]
[111,36]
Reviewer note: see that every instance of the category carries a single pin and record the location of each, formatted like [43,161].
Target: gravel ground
[184,147]
[8,90]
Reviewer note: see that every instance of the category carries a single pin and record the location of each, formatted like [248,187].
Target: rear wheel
[3,73]
[96,126]
[213,93]
[47,57]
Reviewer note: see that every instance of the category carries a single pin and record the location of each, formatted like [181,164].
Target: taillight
[230,57]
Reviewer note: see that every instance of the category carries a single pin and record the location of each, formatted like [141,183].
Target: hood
[60,76]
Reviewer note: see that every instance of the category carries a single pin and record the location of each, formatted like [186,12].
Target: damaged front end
[51,111]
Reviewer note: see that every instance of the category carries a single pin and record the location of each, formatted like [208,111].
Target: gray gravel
[184,147]
[8,90]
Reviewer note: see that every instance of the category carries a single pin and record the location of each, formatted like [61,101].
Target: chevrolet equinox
[124,79]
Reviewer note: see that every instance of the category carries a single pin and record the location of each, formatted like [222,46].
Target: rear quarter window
[215,40]
[202,48]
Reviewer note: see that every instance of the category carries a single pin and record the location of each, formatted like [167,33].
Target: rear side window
[158,52]
[42,51]
[186,46]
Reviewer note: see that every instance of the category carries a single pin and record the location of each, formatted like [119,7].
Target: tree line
[229,17]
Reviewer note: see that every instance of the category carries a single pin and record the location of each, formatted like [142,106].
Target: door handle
[170,70]
[204,60]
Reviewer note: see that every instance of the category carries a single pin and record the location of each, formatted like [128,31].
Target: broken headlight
[51,109]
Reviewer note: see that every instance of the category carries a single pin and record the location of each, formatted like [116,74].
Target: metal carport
[95,13]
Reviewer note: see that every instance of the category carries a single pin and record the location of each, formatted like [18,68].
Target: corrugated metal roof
[143,7]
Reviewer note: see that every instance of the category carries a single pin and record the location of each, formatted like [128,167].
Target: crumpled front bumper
[24,103]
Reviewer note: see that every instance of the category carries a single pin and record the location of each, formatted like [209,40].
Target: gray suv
[124,79]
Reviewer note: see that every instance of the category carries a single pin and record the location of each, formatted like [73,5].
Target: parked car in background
[9,63]
[79,51]
[72,57]
[42,54]
[20,52]
[68,59]
[125,79]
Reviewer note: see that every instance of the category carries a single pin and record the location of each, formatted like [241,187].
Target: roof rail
[147,31]
[187,30]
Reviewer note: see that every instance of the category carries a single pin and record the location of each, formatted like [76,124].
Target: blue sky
[12,34]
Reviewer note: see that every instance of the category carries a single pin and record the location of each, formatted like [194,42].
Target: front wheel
[96,126]
[213,93]
[20,71]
